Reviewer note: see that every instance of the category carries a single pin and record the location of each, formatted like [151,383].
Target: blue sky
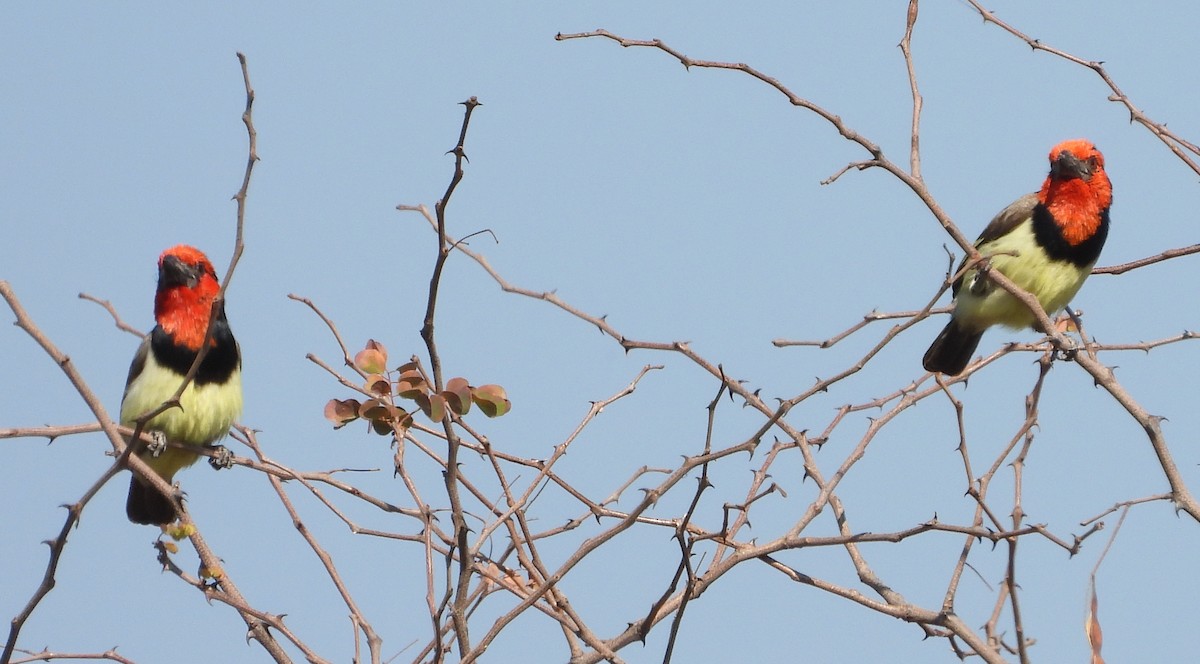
[684,205]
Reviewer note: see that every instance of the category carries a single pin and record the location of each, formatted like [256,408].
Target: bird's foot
[980,284]
[222,458]
[158,444]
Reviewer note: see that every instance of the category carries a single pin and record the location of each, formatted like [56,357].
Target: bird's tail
[952,349]
[145,505]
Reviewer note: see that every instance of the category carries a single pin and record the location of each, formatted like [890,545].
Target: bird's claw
[222,458]
[158,443]
[980,283]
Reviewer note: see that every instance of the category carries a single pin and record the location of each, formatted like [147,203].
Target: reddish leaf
[385,417]
[381,427]
[373,409]
[410,384]
[458,395]
[340,413]
[397,423]
[377,385]
[372,359]
[390,427]
[491,399]
[1092,627]
[1065,324]
[434,406]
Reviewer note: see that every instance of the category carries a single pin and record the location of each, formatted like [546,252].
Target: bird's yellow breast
[1017,255]
[206,412]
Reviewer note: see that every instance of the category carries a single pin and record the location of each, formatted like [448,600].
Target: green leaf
[458,395]
[372,359]
[433,405]
[491,399]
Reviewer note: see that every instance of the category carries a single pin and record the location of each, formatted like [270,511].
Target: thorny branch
[1089,362]
[461,592]
[1175,143]
[492,553]
[223,587]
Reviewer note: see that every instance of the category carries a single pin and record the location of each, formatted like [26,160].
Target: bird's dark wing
[1009,218]
[139,363]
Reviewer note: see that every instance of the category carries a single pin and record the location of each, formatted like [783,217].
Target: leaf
[214,573]
[458,395]
[340,413]
[491,399]
[373,409]
[513,580]
[1092,628]
[378,385]
[382,427]
[384,417]
[494,574]
[433,405]
[1065,324]
[437,408]
[491,572]
[372,359]
[410,384]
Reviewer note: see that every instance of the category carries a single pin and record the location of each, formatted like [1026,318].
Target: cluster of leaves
[408,381]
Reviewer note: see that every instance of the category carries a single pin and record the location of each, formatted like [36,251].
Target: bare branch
[1176,144]
[112,311]
[906,48]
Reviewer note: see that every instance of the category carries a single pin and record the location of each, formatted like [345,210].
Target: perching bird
[1046,243]
[187,285]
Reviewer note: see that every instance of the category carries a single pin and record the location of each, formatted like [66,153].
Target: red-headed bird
[187,285]
[1046,243]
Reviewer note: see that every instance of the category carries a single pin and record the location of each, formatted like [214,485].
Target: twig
[374,642]
[915,135]
[1175,143]
[112,311]
[49,655]
[1151,260]
[445,246]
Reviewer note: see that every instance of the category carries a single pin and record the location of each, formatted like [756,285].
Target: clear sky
[684,205]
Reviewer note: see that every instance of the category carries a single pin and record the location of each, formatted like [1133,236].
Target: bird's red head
[187,285]
[1077,191]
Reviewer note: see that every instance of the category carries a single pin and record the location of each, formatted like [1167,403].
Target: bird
[183,305]
[1046,242]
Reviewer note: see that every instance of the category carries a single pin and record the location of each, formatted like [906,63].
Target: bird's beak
[1067,166]
[174,272]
